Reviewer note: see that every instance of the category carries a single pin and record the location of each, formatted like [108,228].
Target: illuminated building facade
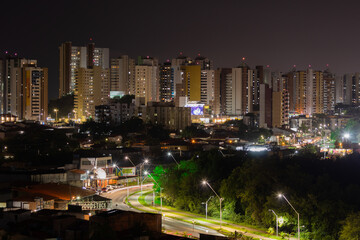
[92,89]
[24,88]
[72,58]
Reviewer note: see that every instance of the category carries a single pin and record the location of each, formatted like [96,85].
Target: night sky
[275,33]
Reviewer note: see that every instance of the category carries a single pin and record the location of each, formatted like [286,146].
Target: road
[171,226]
[189,217]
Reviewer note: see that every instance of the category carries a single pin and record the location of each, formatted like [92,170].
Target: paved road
[171,226]
[215,224]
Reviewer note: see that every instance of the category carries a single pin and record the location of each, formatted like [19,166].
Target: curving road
[171,226]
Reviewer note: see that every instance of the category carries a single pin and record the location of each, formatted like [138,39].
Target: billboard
[118,94]
[196,109]
[125,171]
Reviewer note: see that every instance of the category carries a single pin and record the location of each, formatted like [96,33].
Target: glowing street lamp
[169,154]
[298,215]
[277,221]
[127,158]
[159,187]
[221,199]
[127,181]
[56,111]
[206,205]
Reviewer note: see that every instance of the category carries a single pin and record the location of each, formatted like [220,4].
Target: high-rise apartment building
[204,62]
[92,89]
[309,92]
[147,83]
[225,77]
[207,87]
[191,82]
[24,88]
[167,87]
[35,93]
[217,93]
[73,57]
[240,91]
[122,75]
[329,91]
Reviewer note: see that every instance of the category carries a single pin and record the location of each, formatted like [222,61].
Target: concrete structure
[147,82]
[309,92]
[122,73]
[329,92]
[207,82]
[167,86]
[72,58]
[122,221]
[191,82]
[35,94]
[165,114]
[92,89]
[102,114]
[25,88]
[265,113]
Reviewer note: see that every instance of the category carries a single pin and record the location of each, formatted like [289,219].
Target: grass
[260,232]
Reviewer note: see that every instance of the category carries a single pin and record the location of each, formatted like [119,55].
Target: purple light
[147,56]
[6,52]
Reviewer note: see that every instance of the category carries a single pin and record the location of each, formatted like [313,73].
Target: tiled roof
[60,191]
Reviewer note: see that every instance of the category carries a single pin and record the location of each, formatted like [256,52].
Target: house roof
[60,191]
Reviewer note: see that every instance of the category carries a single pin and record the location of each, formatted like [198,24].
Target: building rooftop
[60,191]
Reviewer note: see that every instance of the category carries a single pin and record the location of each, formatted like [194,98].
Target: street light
[160,190]
[283,196]
[127,181]
[169,154]
[142,166]
[277,222]
[127,158]
[206,183]
[206,205]
[56,111]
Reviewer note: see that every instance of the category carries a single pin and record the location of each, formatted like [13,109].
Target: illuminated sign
[119,94]
[125,172]
[196,109]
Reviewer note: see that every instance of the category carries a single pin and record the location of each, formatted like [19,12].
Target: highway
[170,225]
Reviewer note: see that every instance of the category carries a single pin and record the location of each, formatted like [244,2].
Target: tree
[351,227]
[65,105]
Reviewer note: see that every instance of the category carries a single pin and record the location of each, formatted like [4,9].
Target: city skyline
[280,34]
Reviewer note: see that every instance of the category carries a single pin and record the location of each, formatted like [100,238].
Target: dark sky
[278,33]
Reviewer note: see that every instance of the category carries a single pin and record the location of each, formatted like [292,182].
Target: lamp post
[127,181]
[277,222]
[142,166]
[206,183]
[206,205]
[169,154]
[127,158]
[222,153]
[298,215]
[346,136]
[160,190]
[56,111]
[74,111]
